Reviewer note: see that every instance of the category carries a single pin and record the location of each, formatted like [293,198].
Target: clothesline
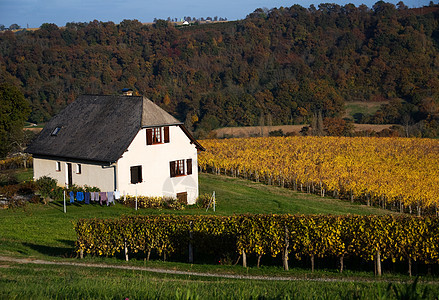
[101,197]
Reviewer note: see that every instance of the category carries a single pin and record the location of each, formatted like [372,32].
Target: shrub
[48,188]
[46,185]
[203,200]
[172,203]
[152,202]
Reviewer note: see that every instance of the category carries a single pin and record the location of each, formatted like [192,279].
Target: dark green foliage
[14,110]
[408,291]
[46,184]
[286,62]
[276,133]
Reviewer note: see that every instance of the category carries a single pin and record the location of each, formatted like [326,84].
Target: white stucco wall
[154,160]
[94,175]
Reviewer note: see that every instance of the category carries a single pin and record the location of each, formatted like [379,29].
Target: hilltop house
[123,143]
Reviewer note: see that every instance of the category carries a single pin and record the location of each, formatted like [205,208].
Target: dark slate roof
[99,128]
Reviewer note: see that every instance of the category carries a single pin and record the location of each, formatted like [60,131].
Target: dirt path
[188,273]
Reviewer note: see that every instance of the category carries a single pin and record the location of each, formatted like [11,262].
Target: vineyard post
[285,250]
[126,249]
[191,253]
[244,259]
[378,262]
[136,199]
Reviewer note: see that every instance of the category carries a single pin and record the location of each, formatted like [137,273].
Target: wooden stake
[341,263]
[285,250]
[378,260]
[126,251]
[244,259]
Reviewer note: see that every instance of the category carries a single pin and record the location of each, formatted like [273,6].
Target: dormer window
[55,131]
[157,135]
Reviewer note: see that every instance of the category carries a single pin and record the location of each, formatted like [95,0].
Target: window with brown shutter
[180,167]
[157,135]
[189,166]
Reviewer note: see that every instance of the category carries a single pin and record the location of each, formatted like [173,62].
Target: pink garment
[103,197]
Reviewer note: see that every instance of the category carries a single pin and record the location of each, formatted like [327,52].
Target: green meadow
[45,232]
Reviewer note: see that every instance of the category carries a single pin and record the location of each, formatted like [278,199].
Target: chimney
[127,92]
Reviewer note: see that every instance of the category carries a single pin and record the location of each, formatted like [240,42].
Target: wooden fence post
[285,250]
[191,252]
[244,259]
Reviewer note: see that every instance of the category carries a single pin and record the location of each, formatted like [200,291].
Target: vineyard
[394,173]
[395,238]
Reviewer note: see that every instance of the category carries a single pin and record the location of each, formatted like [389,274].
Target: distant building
[123,143]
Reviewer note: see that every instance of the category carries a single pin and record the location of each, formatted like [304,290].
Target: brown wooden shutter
[139,174]
[182,198]
[189,166]
[172,168]
[166,132]
[134,175]
[149,136]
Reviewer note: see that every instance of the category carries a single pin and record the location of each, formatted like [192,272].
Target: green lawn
[358,107]
[45,232]
[70,282]
[235,196]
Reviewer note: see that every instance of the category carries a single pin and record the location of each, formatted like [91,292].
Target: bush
[46,186]
[172,203]
[152,202]
[203,200]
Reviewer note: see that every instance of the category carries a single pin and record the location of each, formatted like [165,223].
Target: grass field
[45,232]
[94,283]
[359,107]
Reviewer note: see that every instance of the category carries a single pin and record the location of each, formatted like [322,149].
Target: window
[136,174]
[78,169]
[177,167]
[58,166]
[55,131]
[157,135]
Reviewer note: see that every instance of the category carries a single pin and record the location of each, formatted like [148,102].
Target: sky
[33,13]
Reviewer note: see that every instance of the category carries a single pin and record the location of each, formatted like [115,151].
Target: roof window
[55,131]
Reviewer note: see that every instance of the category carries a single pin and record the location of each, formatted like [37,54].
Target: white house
[123,143]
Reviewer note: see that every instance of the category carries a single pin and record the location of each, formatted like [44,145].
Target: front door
[69,175]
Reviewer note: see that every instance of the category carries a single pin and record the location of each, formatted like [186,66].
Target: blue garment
[80,196]
[110,198]
[72,197]
[87,198]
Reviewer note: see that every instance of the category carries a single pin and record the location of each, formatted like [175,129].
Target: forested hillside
[283,65]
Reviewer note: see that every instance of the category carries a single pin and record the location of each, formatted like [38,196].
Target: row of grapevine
[16,162]
[392,172]
[368,237]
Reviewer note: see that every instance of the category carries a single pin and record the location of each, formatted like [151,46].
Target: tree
[14,27]
[14,110]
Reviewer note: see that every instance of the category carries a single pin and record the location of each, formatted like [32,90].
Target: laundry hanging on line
[103,197]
